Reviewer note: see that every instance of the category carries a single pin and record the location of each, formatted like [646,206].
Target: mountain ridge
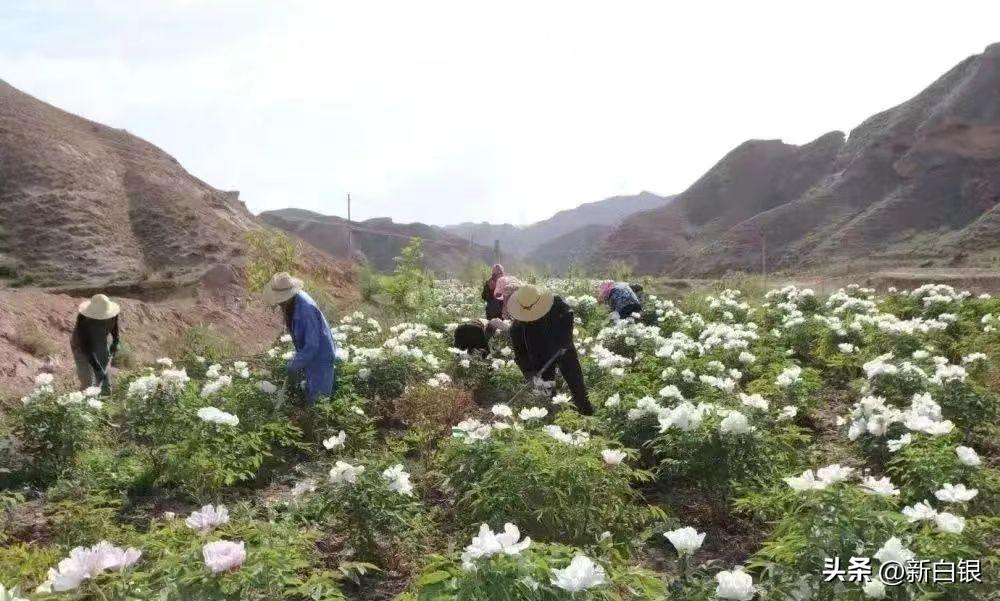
[526,239]
[916,183]
[87,206]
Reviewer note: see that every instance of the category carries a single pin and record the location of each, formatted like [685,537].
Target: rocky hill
[525,240]
[916,184]
[574,248]
[83,204]
[378,241]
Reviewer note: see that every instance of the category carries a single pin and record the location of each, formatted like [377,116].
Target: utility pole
[496,251]
[763,254]
[350,231]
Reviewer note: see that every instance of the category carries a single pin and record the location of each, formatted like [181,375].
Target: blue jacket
[315,348]
[620,297]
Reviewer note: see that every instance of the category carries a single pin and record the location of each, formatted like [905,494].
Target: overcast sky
[468,110]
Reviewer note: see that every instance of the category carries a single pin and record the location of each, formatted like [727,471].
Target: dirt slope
[916,184]
[85,204]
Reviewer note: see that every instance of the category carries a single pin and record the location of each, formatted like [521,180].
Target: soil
[36,325]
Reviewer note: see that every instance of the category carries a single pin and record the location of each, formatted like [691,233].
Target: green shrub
[50,430]
[210,457]
[381,525]
[281,563]
[528,576]
[550,489]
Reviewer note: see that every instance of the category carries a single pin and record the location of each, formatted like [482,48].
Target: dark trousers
[572,372]
[628,310]
[494,309]
[471,338]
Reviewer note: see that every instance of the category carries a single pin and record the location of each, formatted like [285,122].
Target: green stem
[100,592]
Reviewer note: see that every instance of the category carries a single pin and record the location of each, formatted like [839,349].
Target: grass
[202,341]
[30,339]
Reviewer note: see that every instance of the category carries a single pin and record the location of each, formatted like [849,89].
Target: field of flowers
[741,448]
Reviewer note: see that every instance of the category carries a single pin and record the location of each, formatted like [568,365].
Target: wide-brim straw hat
[281,288]
[530,303]
[99,307]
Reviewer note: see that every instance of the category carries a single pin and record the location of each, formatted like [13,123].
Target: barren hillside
[916,184]
[89,205]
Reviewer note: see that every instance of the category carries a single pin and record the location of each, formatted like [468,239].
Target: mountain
[524,240]
[83,203]
[916,184]
[573,248]
[379,241]
[86,206]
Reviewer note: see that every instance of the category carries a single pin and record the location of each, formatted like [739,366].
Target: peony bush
[742,440]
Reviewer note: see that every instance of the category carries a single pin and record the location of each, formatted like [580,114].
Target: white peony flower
[303,487]
[267,387]
[754,400]
[956,494]
[398,480]
[345,473]
[502,410]
[736,585]
[949,522]
[807,481]
[613,456]
[920,511]
[488,543]
[561,399]
[335,442]
[834,473]
[882,487]
[531,413]
[686,540]
[613,400]
[735,423]
[13,594]
[894,551]
[213,415]
[671,392]
[208,519]
[968,456]
[85,564]
[898,443]
[788,412]
[874,589]
[582,574]
[223,555]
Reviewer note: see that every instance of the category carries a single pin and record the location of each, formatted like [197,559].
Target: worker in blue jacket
[315,350]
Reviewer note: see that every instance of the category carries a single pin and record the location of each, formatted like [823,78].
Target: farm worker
[543,330]
[474,336]
[96,321]
[493,304]
[619,298]
[315,349]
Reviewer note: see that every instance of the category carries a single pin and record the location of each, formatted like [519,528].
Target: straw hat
[99,307]
[530,303]
[281,288]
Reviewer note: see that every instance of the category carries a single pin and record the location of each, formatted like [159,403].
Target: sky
[450,111]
